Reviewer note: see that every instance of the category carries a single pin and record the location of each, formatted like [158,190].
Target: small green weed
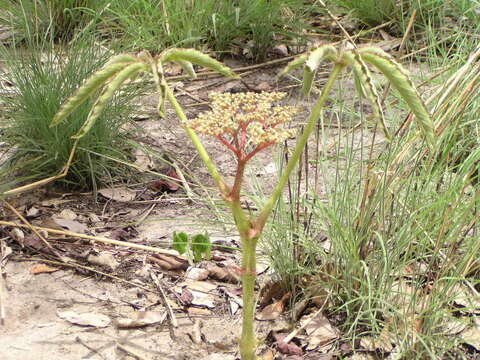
[198,245]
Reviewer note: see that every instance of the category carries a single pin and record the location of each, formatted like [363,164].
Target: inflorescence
[246,122]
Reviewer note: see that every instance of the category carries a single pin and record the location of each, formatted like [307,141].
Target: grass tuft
[43,77]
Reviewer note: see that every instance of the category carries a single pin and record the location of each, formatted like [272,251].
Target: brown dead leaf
[186,297]
[264,86]
[41,269]
[319,330]
[85,319]
[195,273]
[197,311]
[273,311]
[70,225]
[120,194]
[104,259]
[228,274]
[268,355]
[169,262]
[67,214]
[167,185]
[271,290]
[287,349]
[142,318]
[471,336]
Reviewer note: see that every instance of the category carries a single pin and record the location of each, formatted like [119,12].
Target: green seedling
[180,242]
[199,245]
[246,123]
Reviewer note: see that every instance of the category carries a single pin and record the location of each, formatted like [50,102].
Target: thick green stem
[302,141]
[248,342]
[212,169]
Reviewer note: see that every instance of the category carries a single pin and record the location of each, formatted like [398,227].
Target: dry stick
[173,319]
[130,351]
[188,190]
[145,215]
[93,350]
[2,298]
[36,184]
[31,227]
[334,18]
[95,238]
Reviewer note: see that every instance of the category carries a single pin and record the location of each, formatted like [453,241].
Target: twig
[173,319]
[145,215]
[188,190]
[88,268]
[36,184]
[130,351]
[2,287]
[95,238]
[31,227]
[93,350]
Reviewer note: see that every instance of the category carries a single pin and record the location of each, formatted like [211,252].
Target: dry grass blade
[94,238]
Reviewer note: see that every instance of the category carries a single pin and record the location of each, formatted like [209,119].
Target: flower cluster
[244,120]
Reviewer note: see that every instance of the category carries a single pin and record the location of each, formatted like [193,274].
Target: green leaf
[292,65]
[400,80]
[129,72]
[365,85]
[312,64]
[95,82]
[180,242]
[196,57]
[187,67]
[318,55]
[201,245]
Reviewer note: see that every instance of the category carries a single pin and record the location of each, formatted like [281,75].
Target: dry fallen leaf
[166,185]
[85,319]
[195,273]
[142,318]
[273,311]
[287,348]
[319,330]
[42,268]
[471,336]
[198,311]
[70,225]
[121,194]
[227,273]
[103,259]
[169,262]
[67,214]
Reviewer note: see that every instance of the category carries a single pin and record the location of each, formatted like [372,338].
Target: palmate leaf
[128,72]
[294,64]
[315,58]
[400,80]
[366,87]
[95,82]
[196,57]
